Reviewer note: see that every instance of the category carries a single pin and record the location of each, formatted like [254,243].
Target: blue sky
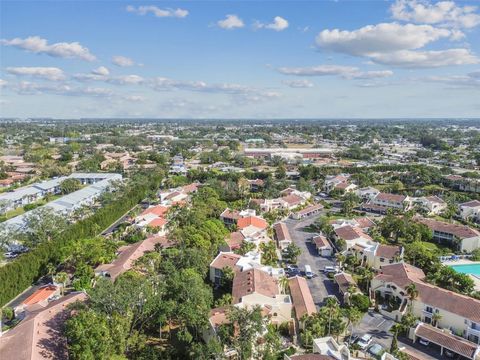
[240,59]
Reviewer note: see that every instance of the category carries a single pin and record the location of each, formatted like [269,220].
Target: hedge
[18,275]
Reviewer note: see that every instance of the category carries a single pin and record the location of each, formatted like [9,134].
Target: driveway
[320,286]
[376,325]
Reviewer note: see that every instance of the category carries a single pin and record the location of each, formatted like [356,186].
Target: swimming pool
[473,269]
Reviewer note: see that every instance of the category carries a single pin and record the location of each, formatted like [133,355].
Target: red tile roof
[225,260]
[293,199]
[349,232]
[388,251]
[158,210]
[230,214]
[460,231]
[235,240]
[253,281]
[281,232]
[44,293]
[253,221]
[344,281]
[390,197]
[158,222]
[403,274]
[321,241]
[310,208]
[301,297]
[447,340]
[365,222]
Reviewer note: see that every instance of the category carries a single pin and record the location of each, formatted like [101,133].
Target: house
[470,210]
[222,261]
[293,201]
[40,297]
[230,217]
[345,283]
[302,299]
[432,205]
[256,185]
[254,229]
[322,245]
[308,211]
[384,201]
[40,334]
[282,235]
[332,181]
[351,235]
[256,287]
[128,254]
[308,357]
[363,223]
[330,347]
[463,237]
[457,312]
[367,193]
[376,255]
[446,340]
[233,241]
[153,217]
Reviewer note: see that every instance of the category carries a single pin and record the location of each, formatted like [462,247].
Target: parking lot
[376,325]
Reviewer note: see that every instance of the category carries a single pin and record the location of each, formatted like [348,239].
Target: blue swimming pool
[473,269]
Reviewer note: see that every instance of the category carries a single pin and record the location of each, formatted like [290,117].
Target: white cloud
[126,80]
[298,83]
[381,38]
[231,22]
[278,24]
[101,70]
[3,83]
[445,13]
[48,73]
[347,72]
[38,45]
[30,88]
[134,98]
[458,81]
[156,11]
[424,59]
[122,61]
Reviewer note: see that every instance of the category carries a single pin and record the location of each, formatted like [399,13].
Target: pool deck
[460,262]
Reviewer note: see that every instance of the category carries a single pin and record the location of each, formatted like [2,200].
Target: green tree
[70,185]
[292,253]
[269,253]
[249,323]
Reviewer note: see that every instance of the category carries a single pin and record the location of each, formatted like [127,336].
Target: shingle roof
[344,281]
[235,239]
[310,209]
[321,241]
[301,297]
[253,281]
[449,341]
[390,197]
[292,199]
[349,232]
[473,203]
[388,251]
[225,260]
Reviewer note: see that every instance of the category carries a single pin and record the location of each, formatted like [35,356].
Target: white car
[330,269]
[424,342]
[364,341]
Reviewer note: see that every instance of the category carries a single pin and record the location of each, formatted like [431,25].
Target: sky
[240,59]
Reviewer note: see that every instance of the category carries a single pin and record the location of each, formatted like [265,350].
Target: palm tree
[340,258]
[353,316]
[283,281]
[412,292]
[62,277]
[436,317]
[395,330]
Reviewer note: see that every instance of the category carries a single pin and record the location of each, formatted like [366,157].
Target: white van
[308,272]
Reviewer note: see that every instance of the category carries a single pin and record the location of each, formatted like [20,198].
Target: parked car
[351,339]
[331,269]
[308,272]
[424,342]
[376,350]
[10,255]
[364,341]
[450,354]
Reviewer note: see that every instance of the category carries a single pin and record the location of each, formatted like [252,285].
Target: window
[382,260]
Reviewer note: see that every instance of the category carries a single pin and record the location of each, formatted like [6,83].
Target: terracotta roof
[130,253]
[460,231]
[281,232]
[403,274]
[253,281]
[292,199]
[311,357]
[158,210]
[190,188]
[225,260]
[258,182]
[321,241]
[310,209]
[344,281]
[473,203]
[301,297]
[452,342]
[390,197]
[235,240]
[388,251]
[253,221]
[230,214]
[44,293]
[342,185]
[435,199]
[158,222]
[172,195]
[218,316]
[349,232]
[365,222]
[39,335]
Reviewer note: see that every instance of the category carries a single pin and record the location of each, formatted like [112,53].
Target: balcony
[473,331]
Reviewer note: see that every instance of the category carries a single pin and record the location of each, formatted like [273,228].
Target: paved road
[376,325]
[320,286]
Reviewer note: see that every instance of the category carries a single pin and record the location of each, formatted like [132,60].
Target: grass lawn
[439,249]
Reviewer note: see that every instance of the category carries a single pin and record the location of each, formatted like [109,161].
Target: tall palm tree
[412,292]
[283,281]
[340,258]
[353,316]
[436,317]
[62,278]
